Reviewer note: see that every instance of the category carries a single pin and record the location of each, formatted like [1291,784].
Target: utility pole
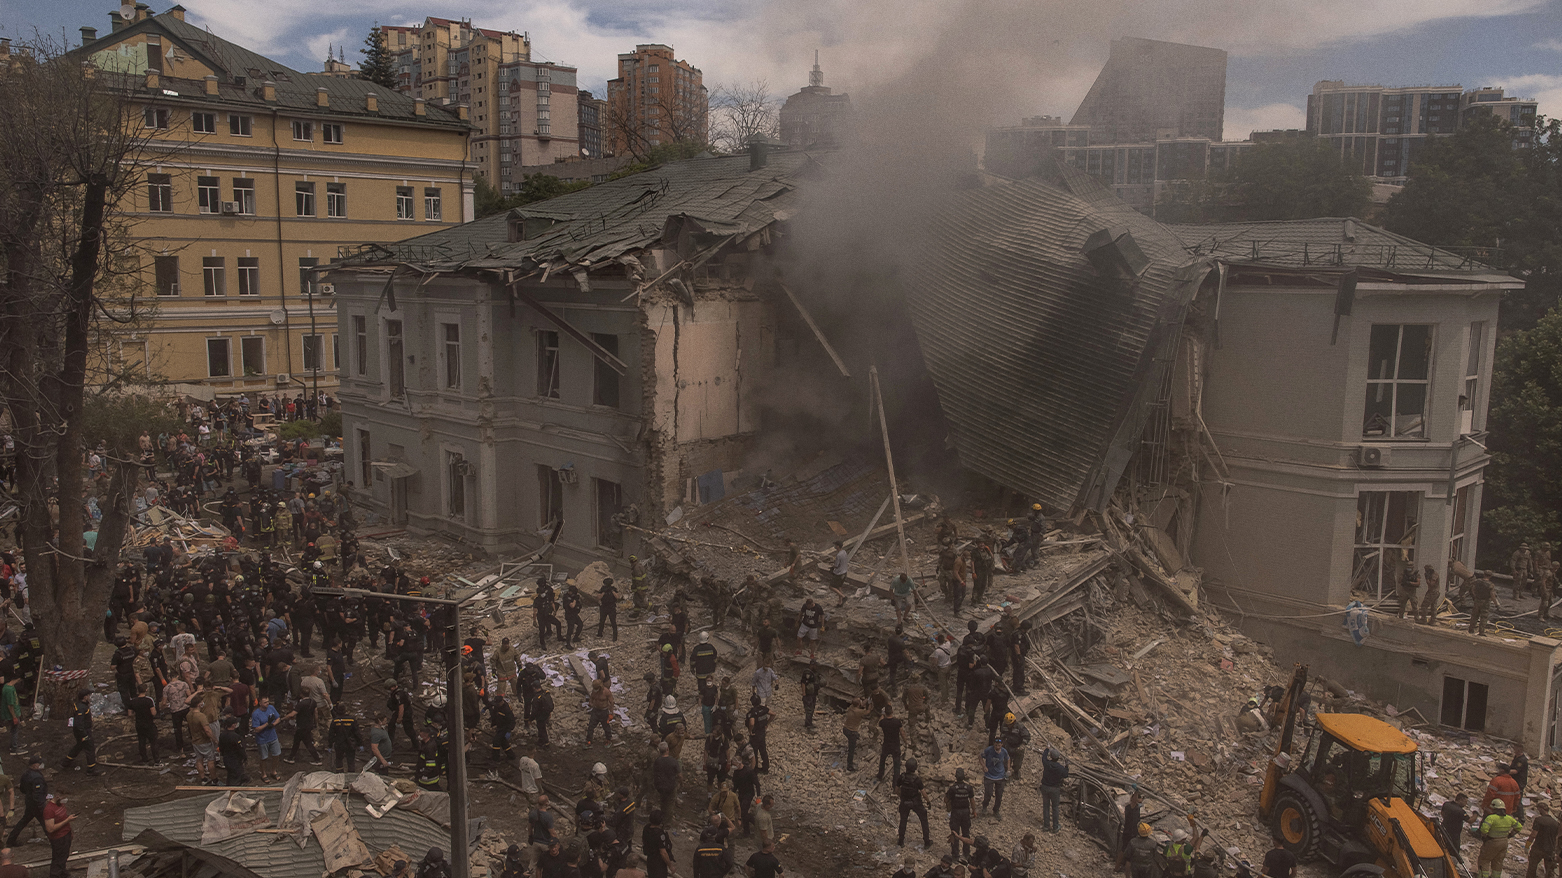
[314,401]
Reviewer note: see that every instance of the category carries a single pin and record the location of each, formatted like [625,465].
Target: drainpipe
[276,182]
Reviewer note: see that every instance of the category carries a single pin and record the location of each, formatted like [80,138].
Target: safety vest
[1499,826]
[1179,858]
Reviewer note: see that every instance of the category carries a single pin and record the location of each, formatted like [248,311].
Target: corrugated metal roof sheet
[1330,242]
[612,219]
[271,855]
[1044,367]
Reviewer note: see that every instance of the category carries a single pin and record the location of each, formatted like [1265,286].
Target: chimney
[372,102]
[211,84]
[177,12]
[321,98]
[88,35]
[461,112]
[758,152]
[143,12]
[268,92]
[152,78]
[419,107]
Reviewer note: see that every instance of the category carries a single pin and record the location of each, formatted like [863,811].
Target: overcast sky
[997,59]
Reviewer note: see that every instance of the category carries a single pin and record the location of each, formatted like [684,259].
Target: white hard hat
[705,637]
[1179,835]
[599,768]
[669,703]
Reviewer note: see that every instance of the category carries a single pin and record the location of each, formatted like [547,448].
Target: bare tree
[72,152]
[740,112]
[637,128]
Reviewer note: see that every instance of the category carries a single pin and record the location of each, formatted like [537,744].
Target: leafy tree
[1300,178]
[536,187]
[72,159]
[1524,483]
[377,66]
[1474,189]
[661,155]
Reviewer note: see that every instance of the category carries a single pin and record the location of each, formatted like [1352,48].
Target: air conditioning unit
[230,208]
[1371,456]
[283,378]
[326,289]
[466,468]
[567,474]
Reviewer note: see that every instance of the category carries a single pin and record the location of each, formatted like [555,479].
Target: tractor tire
[1296,825]
[1363,870]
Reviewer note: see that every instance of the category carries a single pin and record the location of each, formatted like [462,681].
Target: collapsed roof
[1048,315]
[698,205]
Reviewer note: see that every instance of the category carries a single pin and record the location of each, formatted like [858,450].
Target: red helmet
[423,581]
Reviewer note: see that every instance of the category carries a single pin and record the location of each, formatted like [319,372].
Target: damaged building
[1289,415]
[597,359]
[1280,417]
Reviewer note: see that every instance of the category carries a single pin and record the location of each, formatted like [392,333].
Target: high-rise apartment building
[1151,89]
[524,110]
[656,99]
[815,117]
[264,173]
[1378,130]
[589,111]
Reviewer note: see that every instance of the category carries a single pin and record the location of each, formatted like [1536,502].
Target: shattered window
[1386,529]
[1398,372]
[548,364]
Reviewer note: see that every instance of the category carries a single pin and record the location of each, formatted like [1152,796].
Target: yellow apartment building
[263,173]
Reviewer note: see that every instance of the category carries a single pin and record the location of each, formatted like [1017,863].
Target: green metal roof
[1332,242]
[718,196]
[296,91]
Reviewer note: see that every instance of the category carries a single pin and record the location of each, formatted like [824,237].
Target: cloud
[1550,45]
[1243,121]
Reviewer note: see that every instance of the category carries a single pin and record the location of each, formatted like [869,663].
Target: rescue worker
[703,661]
[1179,855]
[1141,854]
[1546,584]
[1426,614]
[1495,832]
[640,582]
[912,800]
[1482,593]
[958,799]
[81,729]
[1015,739]
[1521,566]
[1409,582]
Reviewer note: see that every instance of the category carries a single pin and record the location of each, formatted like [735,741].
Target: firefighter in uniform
[911,801]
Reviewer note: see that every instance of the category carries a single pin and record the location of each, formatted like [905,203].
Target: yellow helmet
[1008,719]
[1144,830]
[1036,507]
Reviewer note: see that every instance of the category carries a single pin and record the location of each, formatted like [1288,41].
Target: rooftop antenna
[816,77]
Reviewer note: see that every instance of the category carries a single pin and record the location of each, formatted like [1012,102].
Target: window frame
[336,200]
[1396,386]
[244,345]
[603,377]
[315,340]
[159,263]
[607,535]
[155,118]
[227,349]
[214,277]
[159,193]
[1372,568]
[406,208]
[244,196]
[241,125]
[433,205]
[395,359]
[328,129]
[197,117]
[360,325]
[455,486]
[249,276]
[550,495]
[304,198]
[548,365]
[450,355]
[208,194]
[306,272]
[303,130]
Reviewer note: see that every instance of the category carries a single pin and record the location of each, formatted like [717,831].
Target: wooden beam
[889,462]
[597,350]
[818,333]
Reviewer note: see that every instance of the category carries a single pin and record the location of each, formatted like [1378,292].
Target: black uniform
[959,798]
[911,802]
[81,728]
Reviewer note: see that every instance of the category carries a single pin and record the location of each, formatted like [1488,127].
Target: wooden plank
[818,333]
[889,462]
